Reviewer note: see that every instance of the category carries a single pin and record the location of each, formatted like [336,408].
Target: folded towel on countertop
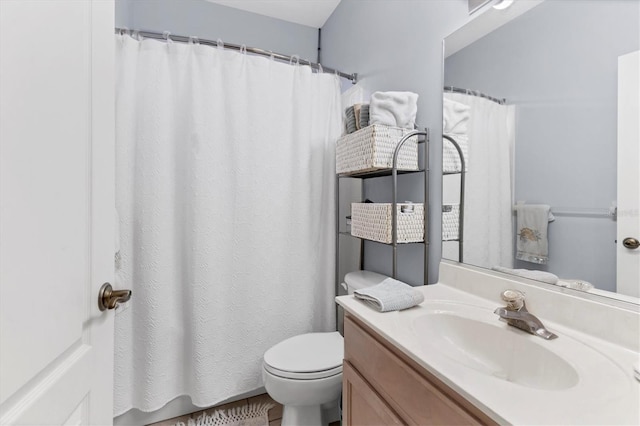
[543,276]
[390,295]
[396,109]
[532,223]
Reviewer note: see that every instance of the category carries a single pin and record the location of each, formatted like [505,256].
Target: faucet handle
[514,299]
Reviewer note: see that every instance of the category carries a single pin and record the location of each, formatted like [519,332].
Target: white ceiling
[312,13]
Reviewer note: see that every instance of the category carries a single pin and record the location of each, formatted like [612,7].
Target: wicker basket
[450,222]
[371,148]
[372,221]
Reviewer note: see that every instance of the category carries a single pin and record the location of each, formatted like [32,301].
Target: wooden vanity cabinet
[382,386]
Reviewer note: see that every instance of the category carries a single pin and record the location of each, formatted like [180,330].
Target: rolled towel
[390,295]
[364,115]
[351,120]
[543,276]
[356,113]
[396,109]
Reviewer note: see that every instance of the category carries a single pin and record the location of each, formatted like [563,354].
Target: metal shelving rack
[394,172]
[462,173]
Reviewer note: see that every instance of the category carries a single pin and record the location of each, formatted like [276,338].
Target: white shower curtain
[225,192]
[488,229]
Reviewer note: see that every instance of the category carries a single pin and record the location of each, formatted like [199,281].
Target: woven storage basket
[450,222]
[372,221]
[371,148]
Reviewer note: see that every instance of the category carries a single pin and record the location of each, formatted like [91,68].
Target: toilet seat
[306,356]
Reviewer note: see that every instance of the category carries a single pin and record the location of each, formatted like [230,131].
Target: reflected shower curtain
[225,195]
[488,229]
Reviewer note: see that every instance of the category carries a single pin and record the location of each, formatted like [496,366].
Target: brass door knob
[108,298]
[631,243]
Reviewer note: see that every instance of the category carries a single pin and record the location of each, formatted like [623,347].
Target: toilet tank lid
[360,279]
[307,353]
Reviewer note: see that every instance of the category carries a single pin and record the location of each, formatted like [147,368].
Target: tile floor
[275,414]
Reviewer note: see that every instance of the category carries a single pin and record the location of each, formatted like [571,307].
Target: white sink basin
[494,349]
[515,377]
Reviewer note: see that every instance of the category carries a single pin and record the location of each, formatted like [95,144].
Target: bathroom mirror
[555,142]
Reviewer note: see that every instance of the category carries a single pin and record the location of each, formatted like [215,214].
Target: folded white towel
[390,295]
[396,109]
[455,117]
[543,276]
[455,120]
[532,222]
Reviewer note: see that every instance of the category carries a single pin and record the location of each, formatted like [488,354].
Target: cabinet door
[362,404]
[415,397]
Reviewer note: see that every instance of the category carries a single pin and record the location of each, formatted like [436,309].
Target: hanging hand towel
[396,109]
[532,222]
[455,119]
[390,295]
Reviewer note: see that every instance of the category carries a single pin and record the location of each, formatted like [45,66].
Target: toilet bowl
[304,372]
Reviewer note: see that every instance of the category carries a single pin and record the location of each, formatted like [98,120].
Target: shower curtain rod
[353,77]
[474,93]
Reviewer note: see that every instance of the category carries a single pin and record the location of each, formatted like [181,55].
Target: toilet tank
[360,279]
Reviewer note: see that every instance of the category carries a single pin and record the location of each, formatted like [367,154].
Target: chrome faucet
[516,315]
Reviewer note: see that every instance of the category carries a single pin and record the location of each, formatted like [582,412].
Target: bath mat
[246,415]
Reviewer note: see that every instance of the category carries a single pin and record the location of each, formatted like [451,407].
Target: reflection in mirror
[535,108]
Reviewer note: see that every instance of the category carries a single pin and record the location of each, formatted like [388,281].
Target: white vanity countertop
[597,398]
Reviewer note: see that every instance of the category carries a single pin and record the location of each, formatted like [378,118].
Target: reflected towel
[455,120]
[532,222]
[543,276]
[397,109]
[455,117]
[390,295]
[575,284]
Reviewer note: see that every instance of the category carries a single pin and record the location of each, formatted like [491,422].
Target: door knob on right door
[631,243]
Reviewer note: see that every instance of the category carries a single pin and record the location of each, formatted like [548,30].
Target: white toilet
[304,372]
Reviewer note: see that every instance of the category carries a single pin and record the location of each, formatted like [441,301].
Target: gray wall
[558,64]
[208,20]
[397,45]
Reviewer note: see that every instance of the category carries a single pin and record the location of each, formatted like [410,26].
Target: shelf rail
[394,204]
[463,173]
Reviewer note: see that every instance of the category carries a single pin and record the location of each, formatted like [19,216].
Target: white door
[628,258]
[56,211]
